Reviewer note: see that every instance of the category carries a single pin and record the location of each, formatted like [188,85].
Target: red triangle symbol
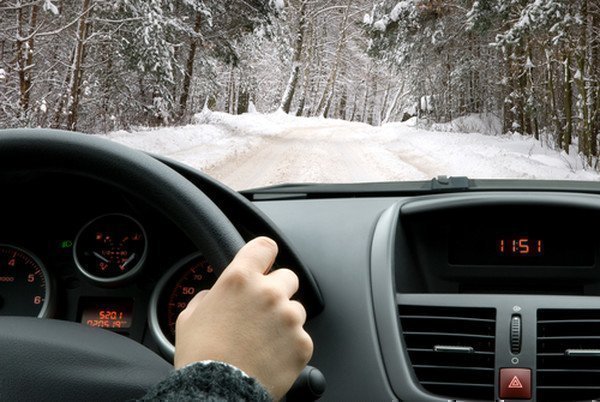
[515,383]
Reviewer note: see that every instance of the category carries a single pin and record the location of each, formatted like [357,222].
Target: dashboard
[470,295]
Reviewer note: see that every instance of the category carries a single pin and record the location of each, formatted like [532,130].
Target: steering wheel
[57,360]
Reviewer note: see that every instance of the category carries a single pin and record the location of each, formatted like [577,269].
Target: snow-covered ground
[253,149]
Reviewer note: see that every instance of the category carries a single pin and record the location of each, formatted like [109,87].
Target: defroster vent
[568,355]
[451,349]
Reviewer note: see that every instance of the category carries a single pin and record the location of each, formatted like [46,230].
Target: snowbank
[476,155]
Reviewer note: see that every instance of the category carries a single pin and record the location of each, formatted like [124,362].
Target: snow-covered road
[257,150]
[317,154]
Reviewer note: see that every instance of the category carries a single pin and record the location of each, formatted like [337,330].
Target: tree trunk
[342,105]
[288,95]
[189,67]
[508,114]
[26,60]
[77,68]
[243,102]
[230,97]
[355,98]
[21,58]
[365,103]
[384,105]
[372,111]
[325,101]
[585,145]
[568,104]
[59,110]
[392,106]
[551,102]
[521,79]
[305,88]
[594,68]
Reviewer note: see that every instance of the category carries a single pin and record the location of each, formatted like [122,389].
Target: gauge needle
[101,258]
[131,257]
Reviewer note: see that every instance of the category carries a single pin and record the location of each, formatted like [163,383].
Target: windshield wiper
[441,184]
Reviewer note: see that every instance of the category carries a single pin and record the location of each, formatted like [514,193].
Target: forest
[97,66]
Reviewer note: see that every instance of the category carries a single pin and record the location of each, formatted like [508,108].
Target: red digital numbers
[110,315]
[106,319]
[521,246]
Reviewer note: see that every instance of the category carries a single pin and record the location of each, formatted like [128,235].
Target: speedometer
[24,283]
[172,295]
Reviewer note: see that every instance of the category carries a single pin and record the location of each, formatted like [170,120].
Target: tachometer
[24,283]
[173,293]
[110,248]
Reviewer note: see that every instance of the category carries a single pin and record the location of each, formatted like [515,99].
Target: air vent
[451,349]
[568,355]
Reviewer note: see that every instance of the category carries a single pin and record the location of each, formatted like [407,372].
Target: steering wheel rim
[136,173]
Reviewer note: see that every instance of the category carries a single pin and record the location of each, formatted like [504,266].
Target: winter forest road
[254,150]
[326,154]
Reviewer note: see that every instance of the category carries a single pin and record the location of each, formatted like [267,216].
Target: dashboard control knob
[515,334]
[309,386]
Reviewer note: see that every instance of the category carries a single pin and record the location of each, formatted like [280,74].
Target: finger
[258,255]
[285,279]
[300,310]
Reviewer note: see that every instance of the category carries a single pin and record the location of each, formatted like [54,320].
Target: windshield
[267,92]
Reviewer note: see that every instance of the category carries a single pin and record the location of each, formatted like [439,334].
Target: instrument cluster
[109,255]
[85,252]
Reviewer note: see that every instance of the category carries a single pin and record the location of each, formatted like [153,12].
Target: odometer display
[173,293]
[24,283]
[113,314]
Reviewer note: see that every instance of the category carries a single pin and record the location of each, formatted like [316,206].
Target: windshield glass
[263,92]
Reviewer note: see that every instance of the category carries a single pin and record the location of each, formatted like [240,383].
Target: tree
[290,89]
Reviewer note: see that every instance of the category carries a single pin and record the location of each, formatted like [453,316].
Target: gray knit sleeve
[208,381]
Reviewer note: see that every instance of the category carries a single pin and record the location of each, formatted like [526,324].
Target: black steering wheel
[58,360]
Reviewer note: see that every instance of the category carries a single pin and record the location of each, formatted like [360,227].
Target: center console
[488,296]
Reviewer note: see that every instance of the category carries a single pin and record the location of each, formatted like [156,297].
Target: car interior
[448,289]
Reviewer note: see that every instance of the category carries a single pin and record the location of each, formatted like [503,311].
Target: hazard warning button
[515,383]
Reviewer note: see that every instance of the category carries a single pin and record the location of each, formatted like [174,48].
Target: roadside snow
[484,156]
[256,149]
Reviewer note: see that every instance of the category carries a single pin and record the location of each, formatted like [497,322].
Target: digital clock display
[519,247]
[112,314]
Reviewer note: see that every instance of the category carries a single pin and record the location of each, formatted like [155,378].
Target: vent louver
[451,349]
[568,355]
